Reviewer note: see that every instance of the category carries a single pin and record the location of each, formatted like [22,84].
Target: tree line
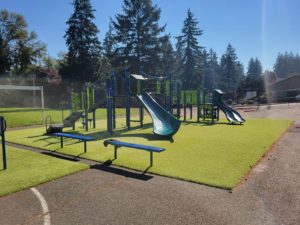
[135,41]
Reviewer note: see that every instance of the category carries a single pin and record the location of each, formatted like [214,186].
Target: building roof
[291,82]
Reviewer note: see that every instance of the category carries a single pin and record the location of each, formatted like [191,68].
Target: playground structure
[163,97]
[67,122]
[2,133]
[137,87]
[232,115]
[83,102]
[88,100]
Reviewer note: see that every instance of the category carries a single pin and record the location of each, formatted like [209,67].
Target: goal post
[28,88]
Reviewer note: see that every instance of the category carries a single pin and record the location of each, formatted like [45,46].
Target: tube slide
[164,124]
[232,115]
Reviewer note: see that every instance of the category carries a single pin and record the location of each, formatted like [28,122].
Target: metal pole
[198,104]
[94,111]
[2,131]
[113,99]
[108,105]
[43,105]
[33,84]
[184,101]
[85,104]
[127,83]
[178,100]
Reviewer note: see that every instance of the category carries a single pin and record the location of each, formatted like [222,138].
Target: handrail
[3,125]
[2,131]
[46,120]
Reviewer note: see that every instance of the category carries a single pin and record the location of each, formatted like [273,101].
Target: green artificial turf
[17,117]
[218,155]
[26,169]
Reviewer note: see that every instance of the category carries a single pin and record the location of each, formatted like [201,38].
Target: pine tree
[286,64]
[138,36]
[204,68]
[108,48]
[192,51]
[108,44]
[254,69]
[167,58]
[179,53]
[213,69]
[254,80]
[83,57]
[230,75]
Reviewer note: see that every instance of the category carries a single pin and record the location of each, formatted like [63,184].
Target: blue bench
[83,138]
[118,144]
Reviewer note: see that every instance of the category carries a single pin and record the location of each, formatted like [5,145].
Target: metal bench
[83,138]
[118,144]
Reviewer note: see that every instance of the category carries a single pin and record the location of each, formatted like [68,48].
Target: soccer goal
[28,88]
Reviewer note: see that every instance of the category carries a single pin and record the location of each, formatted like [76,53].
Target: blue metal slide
[232,115]
[164,124]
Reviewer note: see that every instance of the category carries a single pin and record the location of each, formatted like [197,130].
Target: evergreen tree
[231,70]
[83,57]
[204,68]
[108,48]
[287,64]
[138,36]
[213,69]
[192,51]
[167,58]
[269,77]
[254,80]
[254,69]
[179,53]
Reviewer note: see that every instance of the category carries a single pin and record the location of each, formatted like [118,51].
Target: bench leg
[61,142]
[116,151]
[84,146]
[151,158]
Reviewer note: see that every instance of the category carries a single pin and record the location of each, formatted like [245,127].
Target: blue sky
[255,28]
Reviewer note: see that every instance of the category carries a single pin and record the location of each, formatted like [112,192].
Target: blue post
[141,111]
[127,89]
[2,131]
[85,105]
[171,95]
[184,101]
[72,101]
[198,104]
[178,100]
[113,99]
[94,111]
[72,109]
[108,105]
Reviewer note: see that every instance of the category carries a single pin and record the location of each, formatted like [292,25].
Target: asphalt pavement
[112,195]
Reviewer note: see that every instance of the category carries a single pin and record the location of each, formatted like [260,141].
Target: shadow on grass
[106,167]
[208,123]
[135,131]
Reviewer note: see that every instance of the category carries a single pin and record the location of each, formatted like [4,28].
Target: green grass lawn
[17,117]
[217,155]
[27,169]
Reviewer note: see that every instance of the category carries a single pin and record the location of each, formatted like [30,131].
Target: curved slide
[164,124]
[232,115]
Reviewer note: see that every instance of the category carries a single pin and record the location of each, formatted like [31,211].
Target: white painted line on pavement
[44,206]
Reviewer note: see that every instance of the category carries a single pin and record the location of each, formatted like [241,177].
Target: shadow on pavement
[107,168]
